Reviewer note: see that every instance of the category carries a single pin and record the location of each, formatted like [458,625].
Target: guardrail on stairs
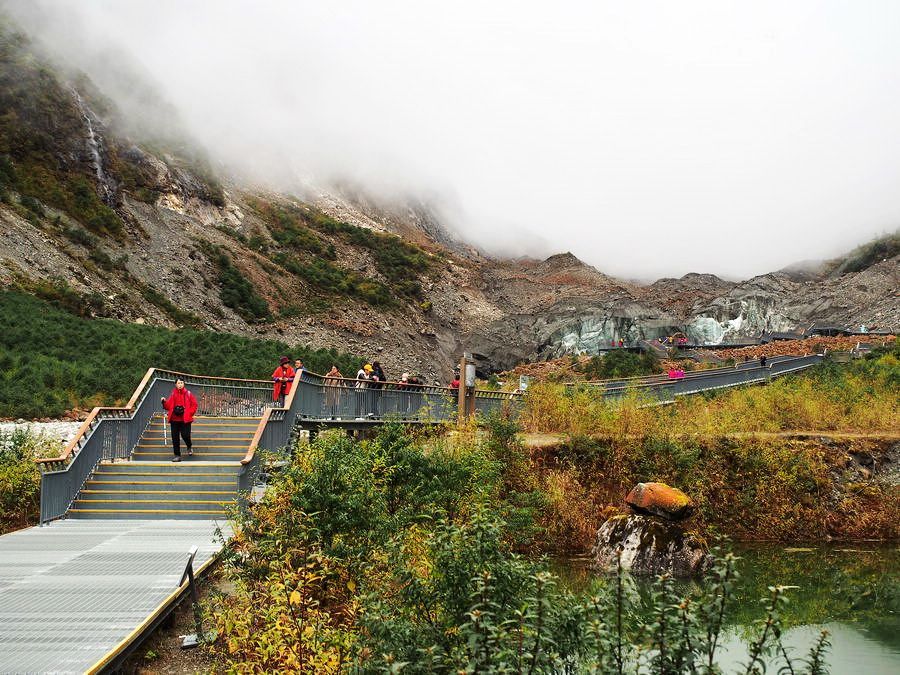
[112,432]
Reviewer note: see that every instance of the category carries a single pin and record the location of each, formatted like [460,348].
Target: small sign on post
[523,382]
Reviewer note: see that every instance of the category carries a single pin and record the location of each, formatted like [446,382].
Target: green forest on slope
[52,361]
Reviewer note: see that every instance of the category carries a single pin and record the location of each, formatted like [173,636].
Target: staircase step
[213,423]
[167,466]
[207,456]
[138,492]
[161,485]
[217,435]
[155,504]
[146,514]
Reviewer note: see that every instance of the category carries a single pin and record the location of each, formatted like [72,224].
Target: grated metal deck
[71,591]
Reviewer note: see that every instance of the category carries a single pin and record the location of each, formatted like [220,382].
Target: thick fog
[648,138]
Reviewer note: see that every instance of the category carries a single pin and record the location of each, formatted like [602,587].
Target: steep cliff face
[112,223]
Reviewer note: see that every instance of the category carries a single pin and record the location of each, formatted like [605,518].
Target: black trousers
[182,429]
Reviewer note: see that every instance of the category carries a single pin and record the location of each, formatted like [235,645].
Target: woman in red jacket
[180,406]
[282,377]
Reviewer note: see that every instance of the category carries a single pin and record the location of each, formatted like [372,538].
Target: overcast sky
[648,138]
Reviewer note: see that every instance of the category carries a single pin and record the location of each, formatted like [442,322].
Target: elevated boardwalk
[120,519]
[74,595]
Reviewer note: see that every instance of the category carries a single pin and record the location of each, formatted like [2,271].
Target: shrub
[394,555]
[80,236]
[235,291]
[179,316]
[620,363]
[20,480]
[33,205]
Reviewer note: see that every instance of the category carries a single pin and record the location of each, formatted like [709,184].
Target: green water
[852,591]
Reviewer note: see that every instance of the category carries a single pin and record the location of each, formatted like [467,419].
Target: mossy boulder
[650,546]
[659,499]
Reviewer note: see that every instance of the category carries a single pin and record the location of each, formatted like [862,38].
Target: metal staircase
[150,486]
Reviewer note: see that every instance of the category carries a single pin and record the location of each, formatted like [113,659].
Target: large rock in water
[659,499]
[650,547]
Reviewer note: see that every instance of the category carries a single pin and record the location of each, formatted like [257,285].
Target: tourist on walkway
[283,376]
[333,383]
[180,407]
[762,361]
[378,379]
[299,369]
[363,377]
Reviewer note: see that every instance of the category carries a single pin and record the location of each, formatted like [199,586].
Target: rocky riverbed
[61,430]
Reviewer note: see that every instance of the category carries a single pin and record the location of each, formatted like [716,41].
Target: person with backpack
[180,408]
[378,379]
[282,377]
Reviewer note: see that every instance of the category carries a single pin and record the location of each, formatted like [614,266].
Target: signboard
[470,374]
[523,382]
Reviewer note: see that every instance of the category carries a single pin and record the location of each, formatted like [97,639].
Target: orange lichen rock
[659,499]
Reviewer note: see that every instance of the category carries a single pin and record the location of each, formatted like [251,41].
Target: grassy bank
[725,451]
[52,361]
[861,396]
[400,555]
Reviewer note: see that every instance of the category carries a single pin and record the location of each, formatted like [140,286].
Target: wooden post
[462,410]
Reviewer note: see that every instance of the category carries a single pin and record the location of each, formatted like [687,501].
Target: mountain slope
[109,221]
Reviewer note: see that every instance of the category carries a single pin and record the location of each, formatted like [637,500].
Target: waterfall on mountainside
[107,186]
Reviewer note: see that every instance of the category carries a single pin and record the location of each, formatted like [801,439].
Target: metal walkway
[75,593]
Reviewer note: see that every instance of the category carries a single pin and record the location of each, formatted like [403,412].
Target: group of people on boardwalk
[363,390]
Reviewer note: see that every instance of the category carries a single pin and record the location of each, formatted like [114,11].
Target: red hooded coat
[282,387]
[184,398]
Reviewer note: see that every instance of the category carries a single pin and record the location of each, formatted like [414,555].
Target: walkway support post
[466,395]
[461,404]
[198,637]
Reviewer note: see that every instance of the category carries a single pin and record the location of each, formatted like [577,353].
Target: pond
[853,591]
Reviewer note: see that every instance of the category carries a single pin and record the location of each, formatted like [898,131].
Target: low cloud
[649,138]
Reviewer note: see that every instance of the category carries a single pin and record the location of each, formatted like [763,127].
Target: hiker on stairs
[180,406]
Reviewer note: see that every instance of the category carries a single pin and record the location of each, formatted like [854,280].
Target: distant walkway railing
[664,388]
[112,432]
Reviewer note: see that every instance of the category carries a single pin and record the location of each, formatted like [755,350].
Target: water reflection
[854,592]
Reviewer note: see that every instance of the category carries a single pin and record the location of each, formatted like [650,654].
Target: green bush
[620,363]
[20,480]
[306,254]
[52,360]
[235,291]
[179,316]
[394,555]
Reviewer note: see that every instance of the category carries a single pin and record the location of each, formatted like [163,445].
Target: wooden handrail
[257,436]
[140,388]
[86,425]
[213,377]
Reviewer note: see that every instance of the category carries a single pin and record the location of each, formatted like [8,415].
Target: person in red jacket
[180,406]
[282,377]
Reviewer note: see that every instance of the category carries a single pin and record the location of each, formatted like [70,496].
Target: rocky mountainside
[110,222]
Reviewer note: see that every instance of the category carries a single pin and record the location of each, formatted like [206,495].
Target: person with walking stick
[180,407]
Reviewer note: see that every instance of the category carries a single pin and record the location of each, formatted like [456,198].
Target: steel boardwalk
[73,591]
